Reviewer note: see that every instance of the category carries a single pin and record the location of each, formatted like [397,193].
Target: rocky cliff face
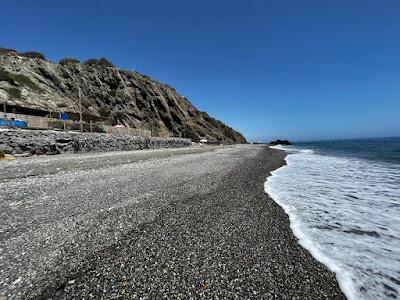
[122,96]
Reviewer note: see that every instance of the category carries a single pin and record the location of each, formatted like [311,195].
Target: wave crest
[314,191]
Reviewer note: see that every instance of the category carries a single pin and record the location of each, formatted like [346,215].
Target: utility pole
[80,109]
[5,108]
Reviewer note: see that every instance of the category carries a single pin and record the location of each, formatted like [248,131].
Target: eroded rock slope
[123,96]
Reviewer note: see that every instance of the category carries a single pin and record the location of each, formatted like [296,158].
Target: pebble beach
[169,223]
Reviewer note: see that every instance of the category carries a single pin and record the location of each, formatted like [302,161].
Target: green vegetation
[68,60]
[7,50]
[13,92]
[4,75]
[91,62]
[20,79]
[98,62]
[104,62]
[34,54]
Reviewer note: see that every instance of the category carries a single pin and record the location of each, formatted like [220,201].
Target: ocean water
[343,201]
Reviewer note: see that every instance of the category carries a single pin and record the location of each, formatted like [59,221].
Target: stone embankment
[30,142]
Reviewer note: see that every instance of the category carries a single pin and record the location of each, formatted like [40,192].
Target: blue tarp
[16,123]
[64,116]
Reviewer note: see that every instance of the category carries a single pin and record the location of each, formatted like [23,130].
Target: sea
[343,201]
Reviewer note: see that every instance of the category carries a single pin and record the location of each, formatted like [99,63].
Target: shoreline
[343,278]
[190,225]
[330,191]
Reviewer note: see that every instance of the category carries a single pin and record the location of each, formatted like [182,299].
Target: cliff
[121,96]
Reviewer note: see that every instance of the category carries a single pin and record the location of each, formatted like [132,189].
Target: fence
[33,121]
[47,123]
[127,131]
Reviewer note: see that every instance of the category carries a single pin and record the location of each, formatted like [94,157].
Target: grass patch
[23,80]
[13,92]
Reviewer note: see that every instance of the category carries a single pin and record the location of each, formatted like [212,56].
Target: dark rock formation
[29,142]
[280,142]
[125,97]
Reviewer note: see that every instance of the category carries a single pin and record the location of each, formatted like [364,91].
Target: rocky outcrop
[280,142]
[29,142]
[125,97]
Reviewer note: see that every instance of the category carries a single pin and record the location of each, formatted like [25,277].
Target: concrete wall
[55,142]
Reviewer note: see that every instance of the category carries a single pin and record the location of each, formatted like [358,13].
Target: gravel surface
[175,223]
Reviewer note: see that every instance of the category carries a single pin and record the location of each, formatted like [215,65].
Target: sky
[294,69]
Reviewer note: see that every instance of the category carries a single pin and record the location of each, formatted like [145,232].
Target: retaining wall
[54,142]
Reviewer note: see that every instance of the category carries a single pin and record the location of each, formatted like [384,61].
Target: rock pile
[29,142]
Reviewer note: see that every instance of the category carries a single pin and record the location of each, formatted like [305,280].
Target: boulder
[280,142]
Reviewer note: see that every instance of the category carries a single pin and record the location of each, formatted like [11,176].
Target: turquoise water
[343,200]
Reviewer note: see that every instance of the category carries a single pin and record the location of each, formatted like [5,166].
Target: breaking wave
[346,212]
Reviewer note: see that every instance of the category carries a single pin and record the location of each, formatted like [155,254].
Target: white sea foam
[346,213]
[291,149]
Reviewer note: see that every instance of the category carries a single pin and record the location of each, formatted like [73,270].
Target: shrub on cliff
[13,92]
[68,60]
[5,76]
[20,79]
[99,62]
[7,50]
[91,62]
[104,62]
[34,54]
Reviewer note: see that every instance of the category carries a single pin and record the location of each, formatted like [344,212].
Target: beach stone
[41,142]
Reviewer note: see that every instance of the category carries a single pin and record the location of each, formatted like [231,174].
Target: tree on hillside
[68,60]
[34,54]
[99,62]
[91,62]
[104,62]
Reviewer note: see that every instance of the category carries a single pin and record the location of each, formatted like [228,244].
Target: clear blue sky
[270,69]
